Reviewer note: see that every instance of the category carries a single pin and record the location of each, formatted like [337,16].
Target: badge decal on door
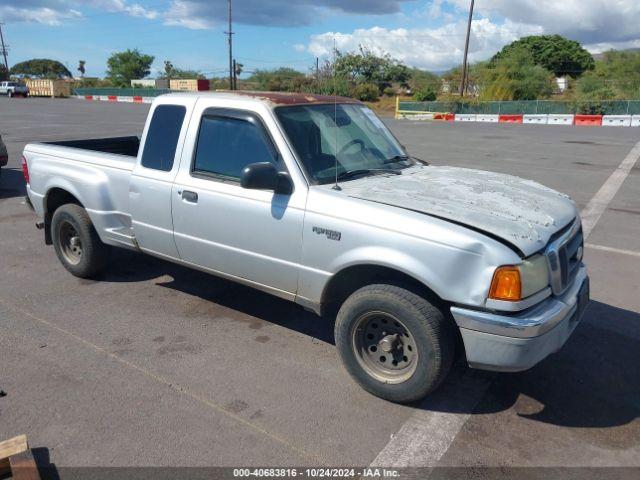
[331,234]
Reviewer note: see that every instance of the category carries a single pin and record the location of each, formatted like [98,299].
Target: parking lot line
[612,250]
[598,204]
[426,436]
[160,379]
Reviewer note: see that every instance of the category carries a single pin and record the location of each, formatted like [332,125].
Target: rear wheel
[76,242]
[394,343]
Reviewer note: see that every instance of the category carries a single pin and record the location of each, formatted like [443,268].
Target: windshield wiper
[365,171]
[404,158]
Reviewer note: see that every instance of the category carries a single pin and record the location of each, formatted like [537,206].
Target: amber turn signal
[506,285]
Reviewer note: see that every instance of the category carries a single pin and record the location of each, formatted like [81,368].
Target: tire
[76,242]
[405,318]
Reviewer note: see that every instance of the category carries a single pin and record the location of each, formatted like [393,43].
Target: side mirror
[265,176]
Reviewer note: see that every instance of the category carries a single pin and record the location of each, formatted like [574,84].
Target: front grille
[565,255]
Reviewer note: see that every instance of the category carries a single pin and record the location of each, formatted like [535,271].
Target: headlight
[514,283]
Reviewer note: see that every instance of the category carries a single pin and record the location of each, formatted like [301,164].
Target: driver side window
[226,145]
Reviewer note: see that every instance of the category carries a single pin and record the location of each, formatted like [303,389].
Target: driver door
[251,235]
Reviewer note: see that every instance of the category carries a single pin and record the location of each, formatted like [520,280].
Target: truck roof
[274,98]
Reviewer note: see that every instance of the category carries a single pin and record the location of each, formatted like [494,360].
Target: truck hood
[523,213]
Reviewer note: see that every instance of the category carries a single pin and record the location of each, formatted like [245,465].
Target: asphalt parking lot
[157,365]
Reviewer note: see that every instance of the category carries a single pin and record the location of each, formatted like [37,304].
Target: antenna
[335,113]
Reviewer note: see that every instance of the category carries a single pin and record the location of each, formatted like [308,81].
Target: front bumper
[512,343]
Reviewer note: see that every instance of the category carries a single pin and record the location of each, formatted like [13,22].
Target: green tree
[128,65]
[81,68]
[619,71]
[553,52]
[515,76]
[422,80]
[41,68]
[366,67]
[168,69]
[283,79]
[179,73]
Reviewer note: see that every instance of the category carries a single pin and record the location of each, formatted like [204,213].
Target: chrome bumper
[514,343]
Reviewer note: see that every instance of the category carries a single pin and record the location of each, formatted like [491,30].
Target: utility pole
[4,48]
[235,75]
[230,34]
[463,82]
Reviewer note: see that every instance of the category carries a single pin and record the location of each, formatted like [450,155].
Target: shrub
[366,92]
[389,91]
[426,94]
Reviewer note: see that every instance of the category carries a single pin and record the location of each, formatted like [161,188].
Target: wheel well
[347,281]
[56,197]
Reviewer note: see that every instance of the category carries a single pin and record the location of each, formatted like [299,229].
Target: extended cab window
[162,137]
[226,145]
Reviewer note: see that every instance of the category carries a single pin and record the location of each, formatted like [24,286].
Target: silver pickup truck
[312,199]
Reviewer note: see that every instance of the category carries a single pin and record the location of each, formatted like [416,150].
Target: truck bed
[127,146]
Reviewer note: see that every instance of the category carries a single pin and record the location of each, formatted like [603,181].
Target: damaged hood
[523,213]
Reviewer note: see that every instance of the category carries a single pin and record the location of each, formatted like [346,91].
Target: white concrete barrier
[104,98]
[125,99]
[487,118]
[419,116]
[147,99]
[560,119]
[535,119]
[635,121]
[466,117]
[616,121]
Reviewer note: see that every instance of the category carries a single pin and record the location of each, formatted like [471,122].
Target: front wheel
[394,343]
[76,242]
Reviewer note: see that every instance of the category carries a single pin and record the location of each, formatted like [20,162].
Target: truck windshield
[353,134]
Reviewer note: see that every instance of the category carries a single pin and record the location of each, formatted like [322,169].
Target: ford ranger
[311,198]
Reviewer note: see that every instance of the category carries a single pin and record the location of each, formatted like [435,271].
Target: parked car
[12,89]
[312,199]
[4,155]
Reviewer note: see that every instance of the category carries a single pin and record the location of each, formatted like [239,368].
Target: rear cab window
[162,137]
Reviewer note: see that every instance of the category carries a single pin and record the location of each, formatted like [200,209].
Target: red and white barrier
[488,118]
[616,121]
[535,119]
[511,119]
[588,120]
[560,120]
[466,117]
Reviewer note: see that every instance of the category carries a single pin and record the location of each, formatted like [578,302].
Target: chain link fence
[533,107]
[120,92]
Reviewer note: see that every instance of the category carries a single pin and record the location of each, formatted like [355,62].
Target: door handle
[188,196]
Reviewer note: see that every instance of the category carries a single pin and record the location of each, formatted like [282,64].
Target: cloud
[430,48]
[198,14]
[588,21]
[55,12]
[47,13]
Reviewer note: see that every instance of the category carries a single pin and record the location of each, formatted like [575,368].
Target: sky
[427,34]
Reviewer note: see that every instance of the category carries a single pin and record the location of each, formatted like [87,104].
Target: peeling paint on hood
[522,212]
